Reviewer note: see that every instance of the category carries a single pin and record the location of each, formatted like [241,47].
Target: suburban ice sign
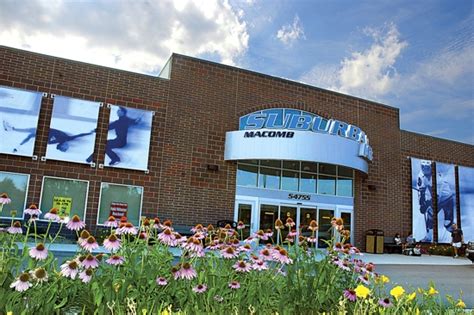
[280,123]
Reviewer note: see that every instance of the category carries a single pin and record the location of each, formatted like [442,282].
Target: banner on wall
[446,193]
[72,130]
[63,204]
[19,111]
[466,201]
[128,140]
[422,200]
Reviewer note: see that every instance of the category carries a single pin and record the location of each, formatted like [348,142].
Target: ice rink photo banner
[422,200]
[72,131]
[466,201]
[19,111]
[446,193]
[128,140]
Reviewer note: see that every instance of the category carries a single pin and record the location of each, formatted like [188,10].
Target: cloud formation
[132,35]
[290,33]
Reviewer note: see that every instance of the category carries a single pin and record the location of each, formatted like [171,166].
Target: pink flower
[75,224]
[364,279]
[52,215]
[22,283]
[234,285]
[245,248]
[385,302]
[39,252]
[242,266]
[161,281]
[289,222]
[312,239]
[350,295]
[40,275]
[15,228]
[86,275]
[70,269]
[200,288]
[265,254]
[240,225]
[261,235]
[90,262]
[186,272]
[128,228]
[33,211]
[260,265]
[90,244]
[115,260]
[111,222]
[198,228]
[282,256]
[193,244]
[167,237]
[4,200]
[229,253]
[112,243]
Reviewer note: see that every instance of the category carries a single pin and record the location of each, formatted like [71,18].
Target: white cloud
[370,73]
[288,34]
[137,36]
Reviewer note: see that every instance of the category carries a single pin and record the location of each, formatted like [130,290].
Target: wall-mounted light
[212,167]
[371,187]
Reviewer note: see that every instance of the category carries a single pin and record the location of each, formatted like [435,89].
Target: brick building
[189,178]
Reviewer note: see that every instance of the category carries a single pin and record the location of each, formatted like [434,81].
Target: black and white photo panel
[19,111]
[466,201]
[422,200]
[446,197]
[128,139]
[72,130]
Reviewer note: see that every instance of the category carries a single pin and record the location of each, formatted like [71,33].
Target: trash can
[379,241]
[370,241]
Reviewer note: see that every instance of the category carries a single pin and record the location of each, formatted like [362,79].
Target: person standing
[456,239]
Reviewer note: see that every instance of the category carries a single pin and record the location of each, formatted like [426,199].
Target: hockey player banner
[128,140]
[422,201]
[72,130]
[19,111]
[446,193]
[466,201]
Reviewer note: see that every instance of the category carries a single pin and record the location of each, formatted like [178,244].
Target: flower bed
[217,272]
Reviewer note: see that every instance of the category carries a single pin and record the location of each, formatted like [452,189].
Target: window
[326,185]
[15,185]
[69,196]
[289,180]
[308,183]
[269,178]
[247,175]
[120,200]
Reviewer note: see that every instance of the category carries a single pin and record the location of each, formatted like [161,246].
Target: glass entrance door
[346,216]
[324,232]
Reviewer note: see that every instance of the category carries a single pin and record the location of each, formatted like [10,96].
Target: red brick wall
[428,148]
[194,109]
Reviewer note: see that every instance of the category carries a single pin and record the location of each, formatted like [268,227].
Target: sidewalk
[398,259]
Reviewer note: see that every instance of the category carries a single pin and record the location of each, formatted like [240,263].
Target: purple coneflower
[40,275]
[245,248]
[112,243]
[115,260]
[156,223]
[52,215]
[312,239]
[197,228]
[22,283]
[259,265]
[350,295]
[242,266]
[161,281]
[385,302]
[234,285]
[193,244]
[265,254]
[83,237]
[261,235]
[75,224]
[15,228]
[127,228]
[187,272]
[215,244]
[240,225]
[364,279]
[70,269]
[90,262]
[179,239]
[90,244]
[290,222]
[33,211]
[111,222]
[39,252]
[268,233]
[200,235]
[200,288]
[228,252]
[197,254]
[313,225]
[282,256]
[167,237]
[86,275]
[4,200]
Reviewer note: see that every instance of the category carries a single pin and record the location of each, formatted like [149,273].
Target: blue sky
[414,55]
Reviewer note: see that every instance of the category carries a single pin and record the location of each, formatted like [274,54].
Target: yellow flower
[432,291]
[11,313]
[397,292]
[412,296]
[461,304]
[417,311]
[362,291]
[383,279]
